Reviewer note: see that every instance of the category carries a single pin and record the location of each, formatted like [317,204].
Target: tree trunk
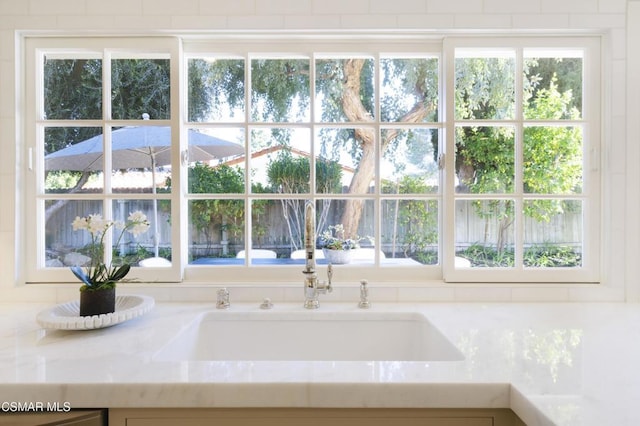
[57,205]
[356,112]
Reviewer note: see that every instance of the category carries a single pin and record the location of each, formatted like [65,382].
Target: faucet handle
[329,275]
[223,299]
[364,295]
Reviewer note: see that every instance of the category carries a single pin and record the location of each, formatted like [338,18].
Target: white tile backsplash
[511,6]
[170,7]
[483,21]
[224,8]
[341,7]
[393,7]
[12,7]
[284,7]
[537,21]
[569,6]
[65,7]
[114,7]
[454,6]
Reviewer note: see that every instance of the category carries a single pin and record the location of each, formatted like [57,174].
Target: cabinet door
[431,421]
[71,418]
[311,417]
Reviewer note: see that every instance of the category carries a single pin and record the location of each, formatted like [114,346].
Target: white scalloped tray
[66,316]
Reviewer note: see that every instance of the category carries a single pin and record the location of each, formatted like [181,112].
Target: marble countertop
[565,364]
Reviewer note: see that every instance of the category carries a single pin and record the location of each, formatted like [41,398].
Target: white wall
[621,155]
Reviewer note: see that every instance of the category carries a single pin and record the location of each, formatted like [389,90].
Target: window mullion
[518,162]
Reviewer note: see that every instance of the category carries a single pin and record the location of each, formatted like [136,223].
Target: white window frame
[180,48]
[35,122]
[590,195]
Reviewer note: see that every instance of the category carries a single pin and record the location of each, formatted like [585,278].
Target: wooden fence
[273,229]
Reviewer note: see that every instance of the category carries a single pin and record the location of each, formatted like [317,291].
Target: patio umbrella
[139,147]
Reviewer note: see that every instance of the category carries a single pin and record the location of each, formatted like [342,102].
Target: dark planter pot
[97,302]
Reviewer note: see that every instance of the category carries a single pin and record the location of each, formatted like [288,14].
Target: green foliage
[61,180]
[221,80]
[485,156]
[290,175]
[481,255]
[489,153]
[407,82]
[536,256]
[416,226]
[566,73]
[277,86]
[552,255]
[485,88]
[140,86]
[204,179]
[331,76]
[72,88]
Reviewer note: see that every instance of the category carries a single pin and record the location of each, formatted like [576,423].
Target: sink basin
[309,336]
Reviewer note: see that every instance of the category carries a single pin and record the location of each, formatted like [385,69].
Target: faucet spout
[312,287]
[309,236]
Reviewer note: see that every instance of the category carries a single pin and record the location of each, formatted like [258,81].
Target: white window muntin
[589,49]
[591,114]
[35,123]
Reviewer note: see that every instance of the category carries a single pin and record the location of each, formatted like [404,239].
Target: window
[441,158]
[523,138]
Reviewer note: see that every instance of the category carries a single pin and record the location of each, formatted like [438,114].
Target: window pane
[280,160]
[354,151]
[156,242]
[140,86]
[485,233]
[139,156]
[552,160]
[72,89]
[220,179]
[345,90]
[216,90]
[553,233]
[278,228]
[485,86]
[73,159]
[349,219]
[63,246]
[552,85]
[216,146]
[485,158]
[409,89]
[280,90]
[216,230]
[409,161]
[410,230]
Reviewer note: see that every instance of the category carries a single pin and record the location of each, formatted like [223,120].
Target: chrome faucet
[312,287]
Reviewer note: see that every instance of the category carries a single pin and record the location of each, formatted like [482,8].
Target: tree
[290,175]
[280,93]
[209,216]
[485,155]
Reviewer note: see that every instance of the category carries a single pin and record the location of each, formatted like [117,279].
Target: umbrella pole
[156,234]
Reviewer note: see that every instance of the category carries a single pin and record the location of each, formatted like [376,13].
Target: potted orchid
[336,246]
[97,294]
